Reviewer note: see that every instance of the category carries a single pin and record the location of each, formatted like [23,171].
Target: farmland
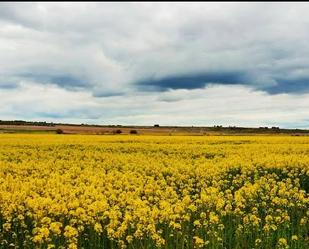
[128,191]
[24,127]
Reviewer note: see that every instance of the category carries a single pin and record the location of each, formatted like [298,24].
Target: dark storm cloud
[8,82]
[62,80]
[294,86]
[197,81]
[192,81]
[4,85]
[67,80]
[104,94]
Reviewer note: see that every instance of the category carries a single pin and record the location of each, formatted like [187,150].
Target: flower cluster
[79,191]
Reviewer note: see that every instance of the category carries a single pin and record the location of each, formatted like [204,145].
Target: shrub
[59,131]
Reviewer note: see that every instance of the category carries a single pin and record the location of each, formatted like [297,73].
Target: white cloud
[213,105]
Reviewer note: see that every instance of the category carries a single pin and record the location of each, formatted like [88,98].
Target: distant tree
[133,131]
[59,131]
[117,131]
[156,125]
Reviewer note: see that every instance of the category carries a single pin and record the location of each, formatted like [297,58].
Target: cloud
[111,47]
[66,81]
[113,51]
[212,105]
[6,85]
[271,85]
[296,86]
[192,81]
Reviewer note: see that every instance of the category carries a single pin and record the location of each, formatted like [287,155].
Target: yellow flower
[151,187]
[303,221]
[46,220]
[70,232]
[268,218]
[38,239]
[6,227]
[273,227]
[55,227]
[72,246]
[98,228]
[129,238]
[198,242]
[258,242]
[294,237]
[213,218]
[197,223]
[282,243]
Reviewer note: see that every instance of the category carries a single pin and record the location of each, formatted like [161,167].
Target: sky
[201,64]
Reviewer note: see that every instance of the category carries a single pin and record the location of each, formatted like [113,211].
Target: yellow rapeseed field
[79,191]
